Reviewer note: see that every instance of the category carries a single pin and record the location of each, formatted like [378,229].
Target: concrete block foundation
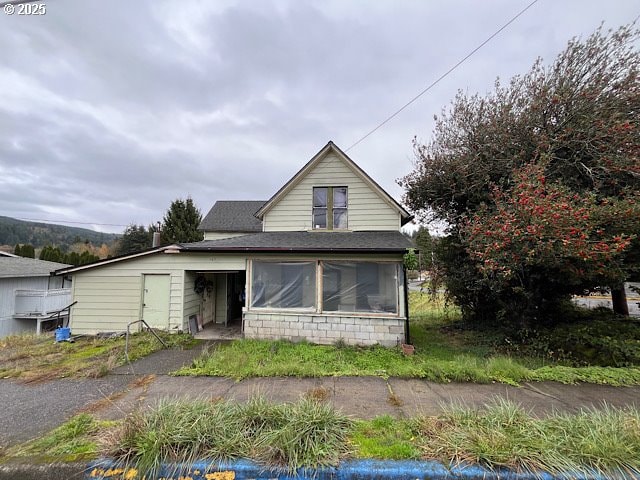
[325,329]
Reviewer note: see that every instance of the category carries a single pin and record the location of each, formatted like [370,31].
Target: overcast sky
[109,110]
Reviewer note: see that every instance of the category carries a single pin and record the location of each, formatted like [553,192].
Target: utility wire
[393,115]
[65,221]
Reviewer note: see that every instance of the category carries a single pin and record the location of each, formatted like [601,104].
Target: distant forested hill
[14,231]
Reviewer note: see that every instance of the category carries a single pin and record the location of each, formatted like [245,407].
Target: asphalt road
[27,411]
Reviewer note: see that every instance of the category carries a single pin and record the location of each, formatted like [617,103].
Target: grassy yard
[444,353]
[34,358]
[312,433]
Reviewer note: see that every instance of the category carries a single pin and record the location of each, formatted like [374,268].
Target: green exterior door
[155,300]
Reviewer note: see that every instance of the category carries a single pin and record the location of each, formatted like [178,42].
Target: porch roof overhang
[373,242]
[307,242]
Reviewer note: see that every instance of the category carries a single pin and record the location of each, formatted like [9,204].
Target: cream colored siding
[221,235]
[109,297]
[105,303]
[191,299]
[366,209]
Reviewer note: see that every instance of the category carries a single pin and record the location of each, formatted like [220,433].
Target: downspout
[407,335]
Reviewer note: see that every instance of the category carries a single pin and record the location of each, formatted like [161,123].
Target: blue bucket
[63,334]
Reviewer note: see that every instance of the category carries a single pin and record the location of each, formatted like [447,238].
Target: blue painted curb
[107,469]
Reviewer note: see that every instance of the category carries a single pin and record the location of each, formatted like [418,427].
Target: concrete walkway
[30,410]
[367,397]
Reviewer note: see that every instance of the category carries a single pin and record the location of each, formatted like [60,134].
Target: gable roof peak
[317,158]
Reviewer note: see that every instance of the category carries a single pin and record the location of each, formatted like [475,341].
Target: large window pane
[319,218]
[320,196]
[360,287]
[283,285]
[340,218]
[340,197]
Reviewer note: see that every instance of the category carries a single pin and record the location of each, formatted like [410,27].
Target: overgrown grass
[35,358]
[72,441]
[306,433]
[444,353]
[605,441]
[584,337]
[309,433]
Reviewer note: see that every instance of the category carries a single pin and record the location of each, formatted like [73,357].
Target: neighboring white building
[321,260]
[28,293]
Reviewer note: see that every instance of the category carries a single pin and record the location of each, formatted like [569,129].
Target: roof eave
[295,249]
[234,231]
[107,261]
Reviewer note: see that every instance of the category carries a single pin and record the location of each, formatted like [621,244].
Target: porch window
[360,287]
[330,208]
[283,285]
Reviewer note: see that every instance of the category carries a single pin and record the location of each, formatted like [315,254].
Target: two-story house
[320,260]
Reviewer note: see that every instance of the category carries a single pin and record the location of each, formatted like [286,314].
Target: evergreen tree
[87,257]
[27,251]
[180,223]
[134,239]
[17,250]
[51,254]
[424,243]
[72,258]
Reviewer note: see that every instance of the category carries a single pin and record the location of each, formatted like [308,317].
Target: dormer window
[330,208]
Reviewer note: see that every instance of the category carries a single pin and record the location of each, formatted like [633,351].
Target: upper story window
[330,208]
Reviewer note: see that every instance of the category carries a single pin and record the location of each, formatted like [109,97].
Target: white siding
[109,296]
[367,210]
[221,235]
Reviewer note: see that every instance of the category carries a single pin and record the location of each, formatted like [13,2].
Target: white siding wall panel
[366,209]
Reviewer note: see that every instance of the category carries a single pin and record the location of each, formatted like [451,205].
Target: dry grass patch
[143,382]
[320,394]
[103,403]
[32,358]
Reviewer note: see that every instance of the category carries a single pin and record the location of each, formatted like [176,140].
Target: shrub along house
[320,260]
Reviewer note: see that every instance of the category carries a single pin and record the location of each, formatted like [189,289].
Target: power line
[393,115]
[76,223]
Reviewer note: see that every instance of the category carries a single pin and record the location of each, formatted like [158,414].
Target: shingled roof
[310,242]
[233,216]
[11,267]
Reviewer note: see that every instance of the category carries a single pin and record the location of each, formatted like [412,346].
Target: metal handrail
[126,341]
[58,312]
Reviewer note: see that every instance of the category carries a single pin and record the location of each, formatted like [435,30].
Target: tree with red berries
[539,182]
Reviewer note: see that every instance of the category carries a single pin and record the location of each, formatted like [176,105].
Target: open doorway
[236,296]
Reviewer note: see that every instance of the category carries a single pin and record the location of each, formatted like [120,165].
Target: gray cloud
[110,110]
